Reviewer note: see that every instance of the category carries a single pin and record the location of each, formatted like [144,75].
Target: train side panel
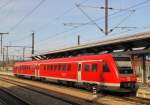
[67,71]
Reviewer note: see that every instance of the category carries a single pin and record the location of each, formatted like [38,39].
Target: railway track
[7,98]
[70,100]
[137,100]
[122,100]
[102,99]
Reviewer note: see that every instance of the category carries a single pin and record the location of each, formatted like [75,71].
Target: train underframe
[125,87]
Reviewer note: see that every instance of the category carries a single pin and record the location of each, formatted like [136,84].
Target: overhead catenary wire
[122,32]
[27,15]
[123,20]
[3,6]
[9,12]
[119,11]
[77,5]
[69,10]
[60,16]
[61,33]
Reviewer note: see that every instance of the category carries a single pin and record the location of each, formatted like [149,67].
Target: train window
[51,67]
[69,67]
[64,67]
[59,67]
[86,67]
[45,67]
[94,67]
[55,67]
[105,68]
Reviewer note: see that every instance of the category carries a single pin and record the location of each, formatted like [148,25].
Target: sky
[46,18]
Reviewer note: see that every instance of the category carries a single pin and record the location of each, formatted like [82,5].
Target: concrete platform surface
[6,72]
[144,92]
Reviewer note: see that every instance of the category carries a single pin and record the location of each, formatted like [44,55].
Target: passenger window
[59,67]
[55,67]
[51,67]
[64,67]
[105,68]
[94,67]
[87,67]
[69,67]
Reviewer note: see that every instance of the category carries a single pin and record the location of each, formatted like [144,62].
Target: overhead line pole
[7,57]
[23,53]
[1,34]
[3,58]
[33,43]
[106,17]
[78,40]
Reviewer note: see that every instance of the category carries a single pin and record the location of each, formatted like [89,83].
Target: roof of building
[140,41]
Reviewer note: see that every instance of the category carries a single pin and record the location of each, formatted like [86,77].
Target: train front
[128,81]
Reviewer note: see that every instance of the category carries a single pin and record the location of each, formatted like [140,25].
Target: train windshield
[124,65]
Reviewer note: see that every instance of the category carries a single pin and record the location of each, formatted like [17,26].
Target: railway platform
[144,92]
[6,72]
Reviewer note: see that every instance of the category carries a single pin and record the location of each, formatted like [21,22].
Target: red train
[103,71]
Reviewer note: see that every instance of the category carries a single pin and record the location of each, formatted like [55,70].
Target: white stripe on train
[92,82]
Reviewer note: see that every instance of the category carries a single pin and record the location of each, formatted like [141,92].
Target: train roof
[83,58]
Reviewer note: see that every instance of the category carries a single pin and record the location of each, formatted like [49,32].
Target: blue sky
[47,21]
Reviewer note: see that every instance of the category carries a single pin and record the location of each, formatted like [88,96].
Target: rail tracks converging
[102,98]
[7,98]
[61,97]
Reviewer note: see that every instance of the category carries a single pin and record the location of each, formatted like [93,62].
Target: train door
[91,71]
[106,76]
[79,71]
[37,70]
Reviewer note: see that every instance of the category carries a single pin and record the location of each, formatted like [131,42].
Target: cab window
[105,68]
